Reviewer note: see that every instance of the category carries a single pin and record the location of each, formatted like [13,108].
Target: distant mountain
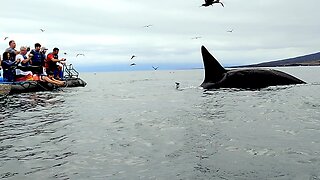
[306,60]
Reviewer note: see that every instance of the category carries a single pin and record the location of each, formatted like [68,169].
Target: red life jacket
[49,64]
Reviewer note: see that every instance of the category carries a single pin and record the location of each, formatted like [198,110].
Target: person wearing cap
[52,60]
[43,52]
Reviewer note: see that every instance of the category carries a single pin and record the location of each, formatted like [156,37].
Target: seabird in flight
[149,25]
[79,55]
[230,31]
[197,37]
[211,2]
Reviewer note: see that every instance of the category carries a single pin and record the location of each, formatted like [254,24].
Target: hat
[44,48]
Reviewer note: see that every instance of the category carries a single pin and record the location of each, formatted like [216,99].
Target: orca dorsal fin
[212,68]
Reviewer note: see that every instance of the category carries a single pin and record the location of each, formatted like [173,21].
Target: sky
[109,32]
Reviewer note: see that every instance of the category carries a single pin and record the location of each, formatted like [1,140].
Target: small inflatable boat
[71,77]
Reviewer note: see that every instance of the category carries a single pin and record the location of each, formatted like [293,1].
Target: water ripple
[137,126]
[33,127]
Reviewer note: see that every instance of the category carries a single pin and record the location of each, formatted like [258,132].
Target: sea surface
[137,125]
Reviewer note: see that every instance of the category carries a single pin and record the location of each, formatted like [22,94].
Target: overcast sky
[111,31]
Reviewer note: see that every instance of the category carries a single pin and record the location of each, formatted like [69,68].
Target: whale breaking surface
[217,76]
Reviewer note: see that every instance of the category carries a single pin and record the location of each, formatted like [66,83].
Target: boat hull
[75,82]
[35,86]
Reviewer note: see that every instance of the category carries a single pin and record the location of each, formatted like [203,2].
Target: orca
[216,76]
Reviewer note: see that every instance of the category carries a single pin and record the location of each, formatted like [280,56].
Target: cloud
[109,32]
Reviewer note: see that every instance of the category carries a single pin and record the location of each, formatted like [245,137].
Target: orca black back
[254,78]
[212,68]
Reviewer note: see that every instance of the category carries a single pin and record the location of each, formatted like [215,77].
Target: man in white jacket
[24,61]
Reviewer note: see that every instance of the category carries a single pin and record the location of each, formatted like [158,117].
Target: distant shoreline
[313,63]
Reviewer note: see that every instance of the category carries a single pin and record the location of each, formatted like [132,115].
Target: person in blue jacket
[37,59]
[9,67]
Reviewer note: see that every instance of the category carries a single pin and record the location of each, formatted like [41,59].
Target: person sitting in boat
[0,69]
[48,77]
[11,49]
[37,59]
[22,71]
[43,52]
[51,63]
[9,67]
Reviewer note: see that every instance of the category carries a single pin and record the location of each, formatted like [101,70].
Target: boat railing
[69,72]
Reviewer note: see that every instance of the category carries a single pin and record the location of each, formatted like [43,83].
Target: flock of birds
[81,54]
[207,3]
[43,30]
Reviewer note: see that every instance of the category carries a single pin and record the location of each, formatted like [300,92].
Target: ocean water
[136,125]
